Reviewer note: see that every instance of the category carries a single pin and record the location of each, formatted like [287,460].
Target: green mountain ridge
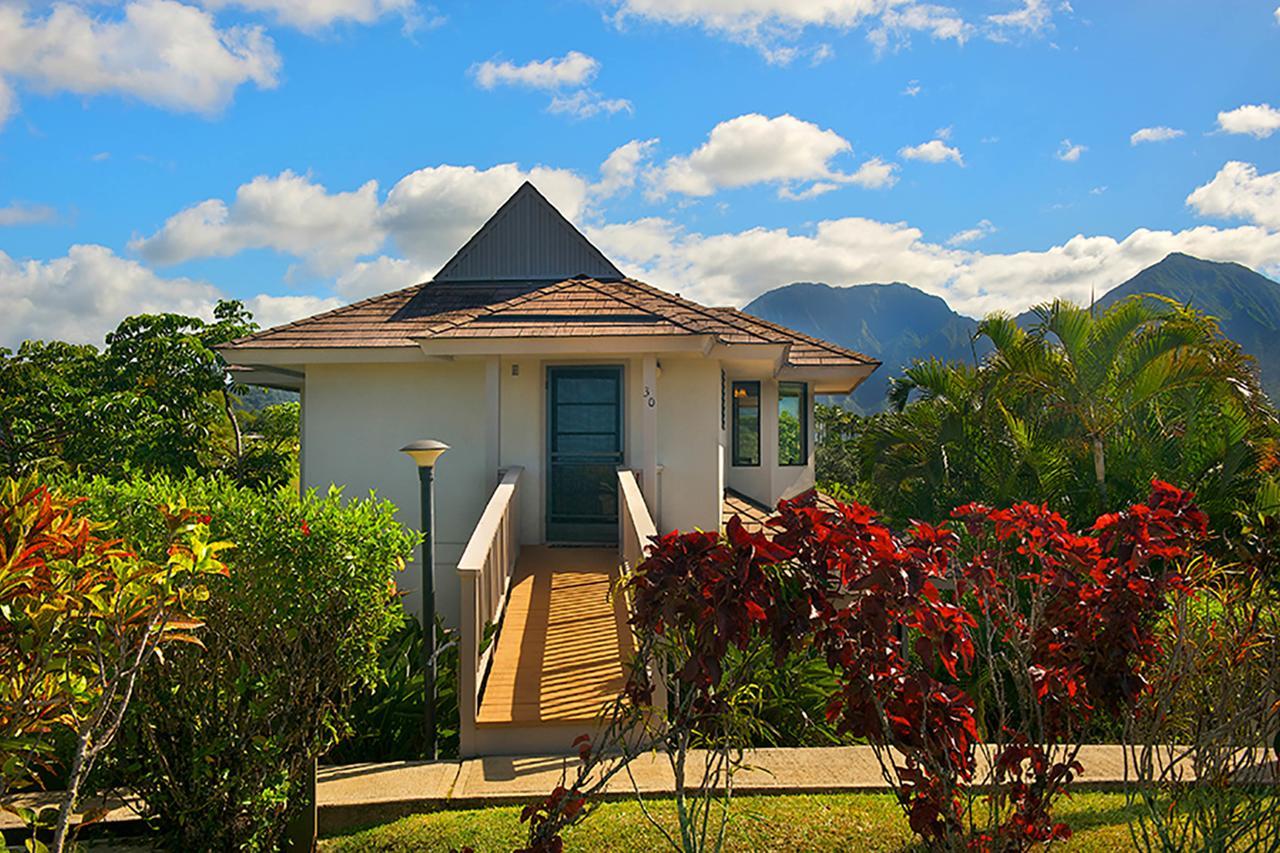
[898,323]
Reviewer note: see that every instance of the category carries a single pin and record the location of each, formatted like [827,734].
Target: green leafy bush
[387,721]
[217,743]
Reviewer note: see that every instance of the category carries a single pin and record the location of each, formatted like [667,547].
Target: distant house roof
[509,281]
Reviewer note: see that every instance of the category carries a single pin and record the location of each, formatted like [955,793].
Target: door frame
[549,369]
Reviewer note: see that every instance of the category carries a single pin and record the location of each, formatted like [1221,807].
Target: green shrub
[218,742]
[387,721]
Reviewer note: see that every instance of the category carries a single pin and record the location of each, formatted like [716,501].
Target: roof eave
[828,379]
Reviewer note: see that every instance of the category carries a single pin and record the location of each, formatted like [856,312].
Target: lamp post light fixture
[424,453]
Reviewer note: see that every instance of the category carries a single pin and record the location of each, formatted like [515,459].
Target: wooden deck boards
[560,652]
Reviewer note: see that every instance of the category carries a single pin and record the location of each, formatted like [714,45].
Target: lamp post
[424,453]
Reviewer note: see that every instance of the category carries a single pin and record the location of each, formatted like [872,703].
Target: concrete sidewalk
[359,795]
[363,794]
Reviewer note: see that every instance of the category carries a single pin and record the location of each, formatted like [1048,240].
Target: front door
[584,411]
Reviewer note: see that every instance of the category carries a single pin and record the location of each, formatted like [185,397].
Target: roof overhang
[265,376]
[828,379]
[295,357]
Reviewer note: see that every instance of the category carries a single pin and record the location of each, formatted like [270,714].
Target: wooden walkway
[563,640]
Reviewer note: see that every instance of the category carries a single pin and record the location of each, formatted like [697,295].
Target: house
[581,408]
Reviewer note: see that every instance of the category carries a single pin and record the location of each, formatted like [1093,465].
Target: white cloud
[1069,153]
[1031,18]
[162,52]
[288,213]
[86,293]
[1257,120]
[1154,134]
[21,213]
[431,212]
[586,103]
[312,15]
[984,228]
[873,174]
[1239,192]
[271,310]
[734,268]
[384,274]
[619,171]
[755,149]
[565,77]
[933,151]
[1278,14]
[571,70]
[7,102]
[775,27]
[428,213]
[898,22]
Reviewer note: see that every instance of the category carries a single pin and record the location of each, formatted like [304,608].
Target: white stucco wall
[357,416]
[691,487]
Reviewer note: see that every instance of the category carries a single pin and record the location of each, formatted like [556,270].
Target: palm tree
[1101,370]
[1078,410]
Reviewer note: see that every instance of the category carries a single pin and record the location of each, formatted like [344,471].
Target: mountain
[1246,304]
[895,323]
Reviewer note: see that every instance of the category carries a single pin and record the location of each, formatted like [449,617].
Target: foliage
[386,722]
[217,744]
[81,619]
[836,454]
[157,397]
[1062,624]
[1204,751]
[1078,411]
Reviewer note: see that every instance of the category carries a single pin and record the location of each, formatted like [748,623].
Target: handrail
[637,531]
[484,575]
[637,526]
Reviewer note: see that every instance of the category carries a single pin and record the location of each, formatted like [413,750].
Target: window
[793,423]
[746,423]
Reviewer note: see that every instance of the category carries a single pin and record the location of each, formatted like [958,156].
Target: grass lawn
[862,822]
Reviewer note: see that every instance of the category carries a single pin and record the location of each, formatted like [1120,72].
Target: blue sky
[157,154]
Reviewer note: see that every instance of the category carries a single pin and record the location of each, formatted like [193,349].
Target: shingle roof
[578,307]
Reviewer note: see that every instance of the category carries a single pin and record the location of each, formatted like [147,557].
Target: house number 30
[649,399]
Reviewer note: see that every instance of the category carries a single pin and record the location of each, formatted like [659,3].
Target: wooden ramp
[560,652]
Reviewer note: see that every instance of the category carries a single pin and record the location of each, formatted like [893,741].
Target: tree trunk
[1100,470]
[68,807]
[235,422]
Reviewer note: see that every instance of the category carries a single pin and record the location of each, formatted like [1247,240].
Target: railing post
[468,664]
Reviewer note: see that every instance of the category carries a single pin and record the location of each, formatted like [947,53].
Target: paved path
[364,794]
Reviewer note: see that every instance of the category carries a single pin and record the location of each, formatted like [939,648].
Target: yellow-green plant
[80,618]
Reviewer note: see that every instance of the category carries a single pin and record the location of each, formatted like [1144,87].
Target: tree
[157,397]
[1079,411]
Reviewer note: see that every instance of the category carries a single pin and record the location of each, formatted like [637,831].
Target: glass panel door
[584,411]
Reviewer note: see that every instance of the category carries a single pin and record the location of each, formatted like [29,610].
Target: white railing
[636,532]
[636,526]
[484,575]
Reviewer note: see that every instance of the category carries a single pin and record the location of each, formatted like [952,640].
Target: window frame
[804,424]
[736,458]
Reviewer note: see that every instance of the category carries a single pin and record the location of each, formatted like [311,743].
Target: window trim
[736,456]
[804,424]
